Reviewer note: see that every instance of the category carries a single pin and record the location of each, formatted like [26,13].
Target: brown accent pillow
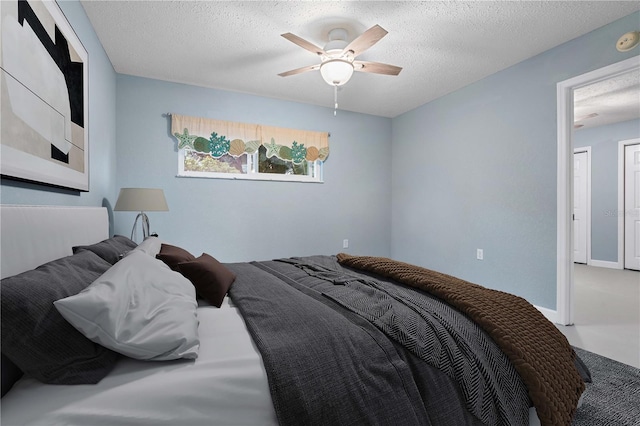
[172,255]
[210,278]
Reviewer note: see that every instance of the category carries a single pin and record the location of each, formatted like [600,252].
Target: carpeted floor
[613,397]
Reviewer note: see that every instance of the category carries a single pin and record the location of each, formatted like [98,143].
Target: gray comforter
[342,348]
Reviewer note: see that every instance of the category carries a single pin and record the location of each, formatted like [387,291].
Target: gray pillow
[37,338]
[111,249]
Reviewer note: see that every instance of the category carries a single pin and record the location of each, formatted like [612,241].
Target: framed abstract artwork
[44,96]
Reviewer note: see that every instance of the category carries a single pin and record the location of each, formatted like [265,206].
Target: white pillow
[139,308]
[150,246]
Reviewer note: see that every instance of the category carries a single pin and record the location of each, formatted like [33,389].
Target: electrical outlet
[479,254]
[345,243]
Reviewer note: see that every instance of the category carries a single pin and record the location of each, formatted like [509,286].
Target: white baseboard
[549,314]
[605,264]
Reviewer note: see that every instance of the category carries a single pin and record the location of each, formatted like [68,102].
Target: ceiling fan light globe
[336,72]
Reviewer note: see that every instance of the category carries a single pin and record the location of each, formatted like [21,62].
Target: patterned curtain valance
[218,138]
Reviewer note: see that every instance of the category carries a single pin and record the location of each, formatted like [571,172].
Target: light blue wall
[102,124]
[249,220]
[603,141]
[477,169]
[473,169]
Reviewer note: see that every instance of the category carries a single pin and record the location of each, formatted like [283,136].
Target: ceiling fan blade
[376,68]
[366,40]
[303,43]
[299,70]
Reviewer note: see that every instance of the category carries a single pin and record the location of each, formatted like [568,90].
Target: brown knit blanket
[539,352]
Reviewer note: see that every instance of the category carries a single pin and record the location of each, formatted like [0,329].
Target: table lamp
[141,200]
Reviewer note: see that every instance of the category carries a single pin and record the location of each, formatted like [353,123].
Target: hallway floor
[607,313]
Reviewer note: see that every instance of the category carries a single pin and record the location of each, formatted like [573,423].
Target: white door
[580,187]
[632,207]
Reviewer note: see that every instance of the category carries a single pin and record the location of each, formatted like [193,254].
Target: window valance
[218,138]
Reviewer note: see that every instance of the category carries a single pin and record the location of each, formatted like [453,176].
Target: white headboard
[33,235]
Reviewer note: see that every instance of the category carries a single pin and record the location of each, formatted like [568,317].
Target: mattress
[226,385]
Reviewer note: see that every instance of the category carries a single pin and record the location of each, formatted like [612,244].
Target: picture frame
[44,102]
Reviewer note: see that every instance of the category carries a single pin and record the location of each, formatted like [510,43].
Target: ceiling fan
[338,56]
[337,59]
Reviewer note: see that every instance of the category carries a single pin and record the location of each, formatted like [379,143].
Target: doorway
[629,214]
[582,205]
[565,189]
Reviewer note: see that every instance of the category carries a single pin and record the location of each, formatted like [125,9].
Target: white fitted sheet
[226,385]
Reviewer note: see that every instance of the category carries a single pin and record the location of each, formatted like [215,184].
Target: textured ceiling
[609,101]
[236,45]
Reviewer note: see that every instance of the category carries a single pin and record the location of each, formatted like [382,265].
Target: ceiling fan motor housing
[337,43]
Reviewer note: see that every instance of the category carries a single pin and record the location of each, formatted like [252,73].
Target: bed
[310,340]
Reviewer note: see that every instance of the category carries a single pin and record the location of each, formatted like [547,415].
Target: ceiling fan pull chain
[335,100]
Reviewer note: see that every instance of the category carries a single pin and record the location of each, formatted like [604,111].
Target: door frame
[587,149]
[564,247]
[621,207]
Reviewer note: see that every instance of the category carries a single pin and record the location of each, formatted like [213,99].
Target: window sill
[254,176]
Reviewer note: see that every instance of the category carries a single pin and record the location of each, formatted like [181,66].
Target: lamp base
[144,219]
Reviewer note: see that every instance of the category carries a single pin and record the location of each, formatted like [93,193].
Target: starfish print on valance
[218,138]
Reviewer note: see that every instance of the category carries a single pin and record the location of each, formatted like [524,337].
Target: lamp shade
[336,72]
[141,200]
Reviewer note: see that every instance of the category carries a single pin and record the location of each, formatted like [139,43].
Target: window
[220,149]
